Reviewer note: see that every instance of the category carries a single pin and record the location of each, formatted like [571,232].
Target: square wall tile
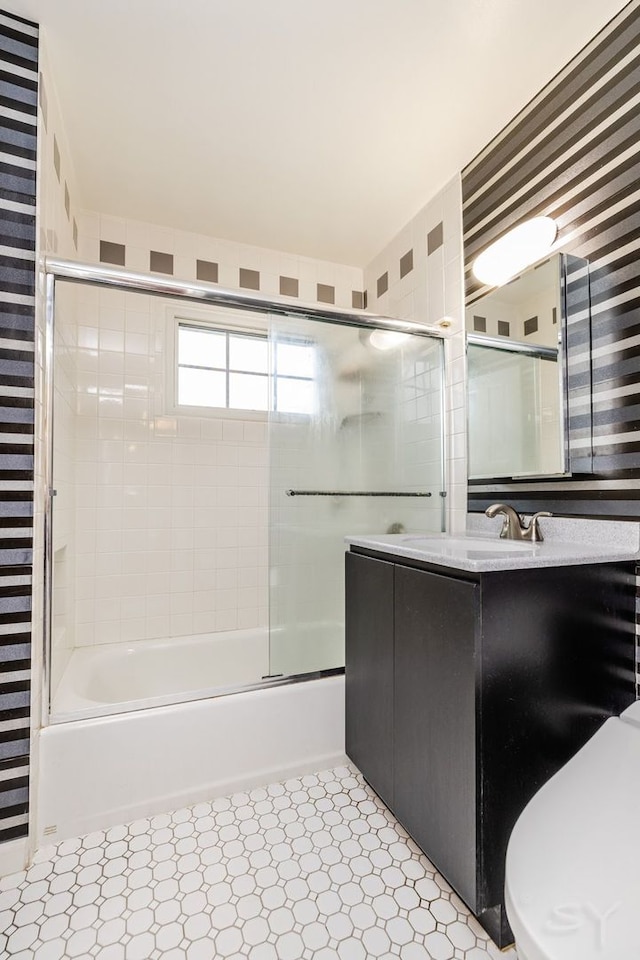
[112,253]
[406,263]
[435,238]
[56,157]
[161,262]
[207,270]
[249,279]
[325,293]
[289,287]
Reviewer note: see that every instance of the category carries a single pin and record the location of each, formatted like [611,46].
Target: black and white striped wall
[18,117]
[574,154]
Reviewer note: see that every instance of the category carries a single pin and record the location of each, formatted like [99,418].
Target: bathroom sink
[481,550]
[468,544]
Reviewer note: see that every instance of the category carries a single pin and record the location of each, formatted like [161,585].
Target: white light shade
[514,251]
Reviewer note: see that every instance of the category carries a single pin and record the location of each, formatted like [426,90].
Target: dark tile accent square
[160,262]
[406,263]
[112,253]
[207,270]
[554,315]
[67,201]
[75,233]
[383,284]
[435,238]
[325,293]
[289,287]
[530,326]
[56,157]
[357,299]
[480,324]
[249,279]
[503,328]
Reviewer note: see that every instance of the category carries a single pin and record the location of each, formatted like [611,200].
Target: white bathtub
[116,677]
[95,773]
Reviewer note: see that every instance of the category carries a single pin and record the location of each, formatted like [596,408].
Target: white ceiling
[318,128]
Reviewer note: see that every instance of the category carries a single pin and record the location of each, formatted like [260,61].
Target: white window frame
[208,320]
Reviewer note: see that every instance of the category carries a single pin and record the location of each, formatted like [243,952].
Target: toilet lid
[573,863]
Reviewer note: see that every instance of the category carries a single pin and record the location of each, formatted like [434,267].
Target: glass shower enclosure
[362,454]
[208,455]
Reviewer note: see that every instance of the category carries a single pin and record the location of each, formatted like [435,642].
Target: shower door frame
[194,292]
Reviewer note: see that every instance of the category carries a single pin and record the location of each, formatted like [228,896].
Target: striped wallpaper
[574,154]
[18,115]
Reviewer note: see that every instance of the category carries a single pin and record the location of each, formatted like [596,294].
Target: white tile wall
[171,510]
[56,232]
[431,292]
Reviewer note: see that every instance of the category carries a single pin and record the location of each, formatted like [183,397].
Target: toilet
[572,887]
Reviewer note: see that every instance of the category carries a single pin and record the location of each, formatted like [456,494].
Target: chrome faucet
[513,527]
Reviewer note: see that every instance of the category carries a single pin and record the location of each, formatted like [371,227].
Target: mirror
[527,377]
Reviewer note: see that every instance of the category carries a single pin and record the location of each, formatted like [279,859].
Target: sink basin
[468,544]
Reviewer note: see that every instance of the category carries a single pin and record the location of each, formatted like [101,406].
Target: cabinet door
[369,670]
[436,618]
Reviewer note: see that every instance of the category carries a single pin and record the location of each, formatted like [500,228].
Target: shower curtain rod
[211,293]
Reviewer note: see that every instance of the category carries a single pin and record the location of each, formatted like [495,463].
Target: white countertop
[567,542]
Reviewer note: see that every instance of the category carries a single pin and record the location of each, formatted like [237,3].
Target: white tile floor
[310,868]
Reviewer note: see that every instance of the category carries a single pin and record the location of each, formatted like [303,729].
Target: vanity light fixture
[514,251]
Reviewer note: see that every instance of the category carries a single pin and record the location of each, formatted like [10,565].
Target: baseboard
[14,855]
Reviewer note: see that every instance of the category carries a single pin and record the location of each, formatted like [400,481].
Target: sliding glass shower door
[355,440]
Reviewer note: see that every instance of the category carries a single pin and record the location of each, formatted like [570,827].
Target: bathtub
[117,677]
[100,772]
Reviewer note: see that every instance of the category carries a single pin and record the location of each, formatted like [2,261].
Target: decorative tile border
[246,278]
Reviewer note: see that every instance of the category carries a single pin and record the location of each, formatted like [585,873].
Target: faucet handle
[533,529]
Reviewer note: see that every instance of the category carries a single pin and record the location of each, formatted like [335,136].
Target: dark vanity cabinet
[465,692]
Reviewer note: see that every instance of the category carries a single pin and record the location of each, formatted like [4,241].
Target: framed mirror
[529,386]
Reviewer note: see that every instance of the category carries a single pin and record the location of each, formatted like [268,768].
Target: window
[231,369]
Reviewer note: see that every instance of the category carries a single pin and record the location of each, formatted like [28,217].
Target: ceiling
[314,128]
